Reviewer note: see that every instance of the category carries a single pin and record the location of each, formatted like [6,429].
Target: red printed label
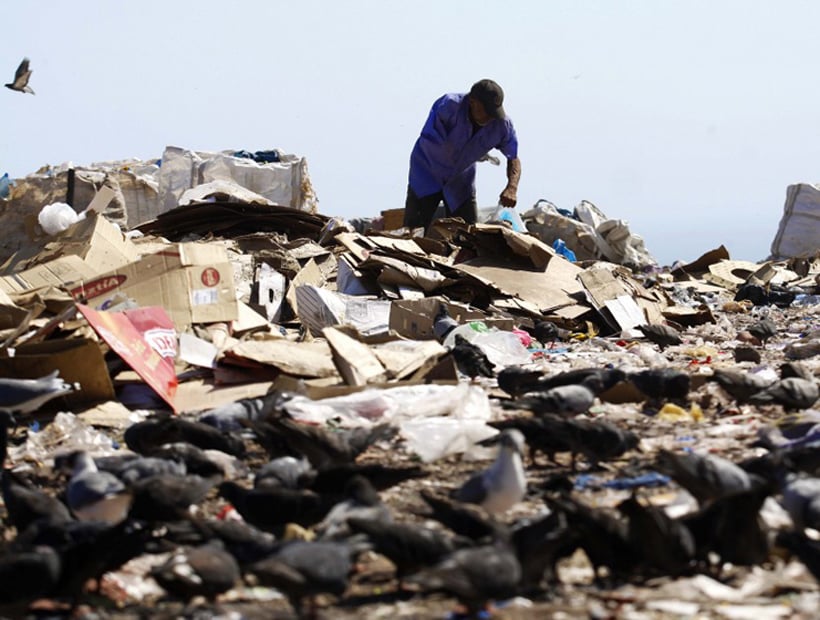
[210,277]
[95,288]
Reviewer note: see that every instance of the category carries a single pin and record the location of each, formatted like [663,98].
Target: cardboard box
[413,318]
[95,240]
[79,360]
[192,281]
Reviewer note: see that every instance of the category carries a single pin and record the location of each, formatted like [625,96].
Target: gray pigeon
[707,477]
[563,400]
[27,395]
[21,77]
[504,483]
[792,393]
[94,495]
[801,499]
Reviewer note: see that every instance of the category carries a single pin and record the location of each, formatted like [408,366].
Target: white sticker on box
[204,296]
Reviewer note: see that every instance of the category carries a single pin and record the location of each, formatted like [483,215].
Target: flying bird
[21,77]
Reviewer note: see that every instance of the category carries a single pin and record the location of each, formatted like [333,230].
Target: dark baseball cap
[491,97]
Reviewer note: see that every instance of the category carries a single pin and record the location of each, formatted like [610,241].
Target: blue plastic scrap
[651,479]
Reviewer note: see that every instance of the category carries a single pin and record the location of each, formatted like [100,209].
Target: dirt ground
[780,588]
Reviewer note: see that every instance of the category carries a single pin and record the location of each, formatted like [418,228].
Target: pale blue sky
[686,119]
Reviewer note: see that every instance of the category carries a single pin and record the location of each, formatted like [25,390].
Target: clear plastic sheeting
[436,420]
[64,434]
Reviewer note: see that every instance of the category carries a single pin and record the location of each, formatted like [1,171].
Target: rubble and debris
[249,321]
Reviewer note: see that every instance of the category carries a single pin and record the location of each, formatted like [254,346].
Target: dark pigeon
[475,576]
[270,509]
[763,330]
[563,400]
[662,383]
[596,440]
[207,570]
[662,335]
[739,384]
[470,359]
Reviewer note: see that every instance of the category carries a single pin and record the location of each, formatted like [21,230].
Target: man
[460,130]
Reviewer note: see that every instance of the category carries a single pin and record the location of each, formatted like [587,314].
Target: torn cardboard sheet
[319,308]
[271,290]
[303,359]
[357,364]
[621,300]
[549,290]
[403,358]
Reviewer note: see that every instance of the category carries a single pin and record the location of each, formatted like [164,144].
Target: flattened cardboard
[357,364]
[79,360]
[192,281]
[403,358]
[303,359]
[54,273]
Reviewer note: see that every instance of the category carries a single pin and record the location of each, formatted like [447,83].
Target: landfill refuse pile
[242,407]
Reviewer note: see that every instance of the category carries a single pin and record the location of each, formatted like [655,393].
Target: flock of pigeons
[313,508]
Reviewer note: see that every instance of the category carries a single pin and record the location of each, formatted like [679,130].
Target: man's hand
[509,197]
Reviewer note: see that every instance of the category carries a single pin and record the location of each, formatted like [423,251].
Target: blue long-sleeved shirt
[445,155]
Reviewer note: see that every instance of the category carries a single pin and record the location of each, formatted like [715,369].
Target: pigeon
[270,509]
[409,547]
[135,467]
[207,570]
[443,323]
[731,527]
[763,330]
[149,435]
[326,448]
[21,78]
[286,471]
[603,537]
[546,332]
[668,546]
[26,576]
[330,479]
[539,439]
[795,369]
[470,359]
[662,383]
[25,503]
[539,544]
[805,548]
[792,393]
[463,519]
[738,384]
[167,497]
[596,440]
[195,460]
[229,417]
[662,335]
[93,495]
[504,483]
[302,570]
[475,576]
[27,395]
[563,400]
[517,380]
[801,499]
[362,501]
[707,477]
